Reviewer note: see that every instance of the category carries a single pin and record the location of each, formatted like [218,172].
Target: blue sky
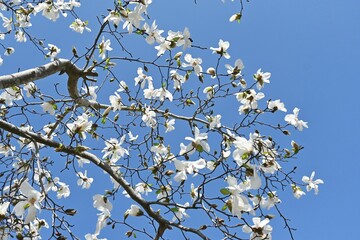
[312,49]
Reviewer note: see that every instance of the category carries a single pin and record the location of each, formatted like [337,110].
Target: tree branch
[58,65]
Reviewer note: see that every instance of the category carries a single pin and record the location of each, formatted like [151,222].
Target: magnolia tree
[154,151]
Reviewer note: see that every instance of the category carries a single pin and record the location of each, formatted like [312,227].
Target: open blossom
[6,150]
[198,143]
[260,230]
[177,78]
[134,18]
[114,150]
[221,50]
[115,101]
[187,167]
[261,78]
[79,26]
[101,202]
[236,70]
[53,51]
[31,203]
[48,107]
[180,212]
[243,149]
[101,222]
[142,78]
[153,34]
[294,120]
[214,121]
[91,91]
[103,47]
[114,17]
[149,117]
[193,62]
[84,180]
[311,183]
[30,88]
[11,94]
[20,36]
[169,125]
[63,190]
[80,126]
[3,209]
[276,105]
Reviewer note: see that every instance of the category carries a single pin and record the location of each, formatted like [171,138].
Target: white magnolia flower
[149,117]
[260,230]
[81,161]
[177,78]
[198,143]
[276,105]
[11,94]
[193,62]
[84,180]
[91,91]
[134,211]
[294,120]
[132,138]
[134,18]
[312,184]
[3,209]
[261,78]
[153,34]
[142,78]
[93,237]
[48,107]
[20,36]
[169,125]
[30,88]
[221,50]
[7,150]
[63,190]
[243,149]
[180,212]
[142,188]
[101,202]
[79,26]
[53,51]
[210,91]
[1,61]
[114,150]
[80,126]
[297,191]
[270,201]
[9,51]
[31,203]
[187,167]
[115,101]
[214,121]
[103,47]
[101,222]
[114,17]
[235,71]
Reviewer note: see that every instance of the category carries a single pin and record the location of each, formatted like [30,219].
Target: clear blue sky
[312,49]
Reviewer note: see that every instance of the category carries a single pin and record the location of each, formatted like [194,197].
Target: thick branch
[58,65]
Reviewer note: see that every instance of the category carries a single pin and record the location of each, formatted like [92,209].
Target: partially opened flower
[134,211]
